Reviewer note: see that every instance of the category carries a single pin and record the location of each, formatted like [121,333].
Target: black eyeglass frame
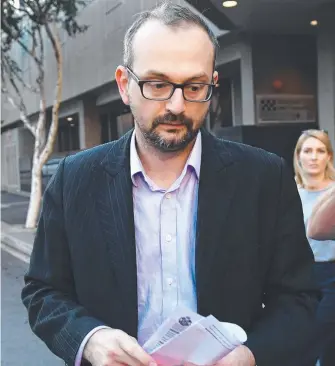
[140,83]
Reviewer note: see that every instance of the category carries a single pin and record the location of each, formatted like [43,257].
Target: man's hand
[113,347]
[240,356]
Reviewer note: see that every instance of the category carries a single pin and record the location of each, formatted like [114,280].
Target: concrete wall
[10,176]
[235,61]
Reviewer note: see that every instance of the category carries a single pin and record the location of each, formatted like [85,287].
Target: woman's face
[313,157]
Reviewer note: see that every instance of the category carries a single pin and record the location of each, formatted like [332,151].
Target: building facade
[277,78]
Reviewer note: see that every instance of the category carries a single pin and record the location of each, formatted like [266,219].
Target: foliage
[16,13]
[24,21]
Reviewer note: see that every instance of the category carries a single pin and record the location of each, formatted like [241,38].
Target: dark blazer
[251,250]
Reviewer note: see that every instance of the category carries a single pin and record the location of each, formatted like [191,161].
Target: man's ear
[215,77]
[121,77]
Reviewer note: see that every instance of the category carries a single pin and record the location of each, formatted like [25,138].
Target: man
[169,215]
[321,224]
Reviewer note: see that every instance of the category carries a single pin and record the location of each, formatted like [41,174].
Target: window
[125,122]
[108,127]
[115,122]
[68,133]
[221,109]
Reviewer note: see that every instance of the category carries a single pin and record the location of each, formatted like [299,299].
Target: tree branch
[41,70]
[53,39]
[6,60]
[23,116]
[38,62]
[10,31]
[55,108]
[40,127]
[16,38]
[41,43]
[6,70]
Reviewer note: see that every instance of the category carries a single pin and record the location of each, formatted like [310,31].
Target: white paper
[179,320]
[188,337]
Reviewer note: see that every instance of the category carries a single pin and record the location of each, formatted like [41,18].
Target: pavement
[14,208]
[15,238]
[17,241]
[19,346]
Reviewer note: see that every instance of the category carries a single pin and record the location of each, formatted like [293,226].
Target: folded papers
[187,337]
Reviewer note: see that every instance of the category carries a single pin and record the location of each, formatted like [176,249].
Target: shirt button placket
[169,263]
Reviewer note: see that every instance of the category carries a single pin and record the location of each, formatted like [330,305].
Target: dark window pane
[108,127]
[113,128]
[104,128]
[68,134]
[74,136]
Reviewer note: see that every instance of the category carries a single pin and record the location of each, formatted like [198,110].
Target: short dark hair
[171,15]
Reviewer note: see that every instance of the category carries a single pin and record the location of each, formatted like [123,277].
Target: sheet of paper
[179,320]
[219,341]
[188,337]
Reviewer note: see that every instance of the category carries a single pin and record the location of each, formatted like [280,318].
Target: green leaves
[15,15]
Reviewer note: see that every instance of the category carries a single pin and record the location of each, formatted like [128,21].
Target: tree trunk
[35,194]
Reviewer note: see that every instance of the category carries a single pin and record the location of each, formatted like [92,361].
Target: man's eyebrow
[154,73]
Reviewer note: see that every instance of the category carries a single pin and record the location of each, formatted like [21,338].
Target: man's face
[178,55]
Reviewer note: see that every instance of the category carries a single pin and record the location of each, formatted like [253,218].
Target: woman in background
[315,176]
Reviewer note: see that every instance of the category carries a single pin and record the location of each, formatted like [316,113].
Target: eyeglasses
[163,90]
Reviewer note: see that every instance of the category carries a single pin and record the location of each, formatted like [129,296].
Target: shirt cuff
[79,355]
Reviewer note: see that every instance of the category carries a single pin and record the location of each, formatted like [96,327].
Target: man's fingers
[115,363]
[122,357]
[135,351]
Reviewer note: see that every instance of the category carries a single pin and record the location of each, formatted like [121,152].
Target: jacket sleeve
[49,293]
[284,330]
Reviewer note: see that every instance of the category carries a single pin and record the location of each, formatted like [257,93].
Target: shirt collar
[194,159]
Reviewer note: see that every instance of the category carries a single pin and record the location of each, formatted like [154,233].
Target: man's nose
[176,103]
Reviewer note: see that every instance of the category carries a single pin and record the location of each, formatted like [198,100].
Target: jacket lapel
[216,192]
[114,202]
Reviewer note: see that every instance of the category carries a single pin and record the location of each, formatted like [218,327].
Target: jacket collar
[215,154]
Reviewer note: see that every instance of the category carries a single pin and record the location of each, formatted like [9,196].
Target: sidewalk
[15,239]
[14,208]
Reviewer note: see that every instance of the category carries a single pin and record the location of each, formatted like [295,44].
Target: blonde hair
[324,138]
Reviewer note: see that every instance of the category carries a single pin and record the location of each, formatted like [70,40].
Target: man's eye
[194,88]
[159,85]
